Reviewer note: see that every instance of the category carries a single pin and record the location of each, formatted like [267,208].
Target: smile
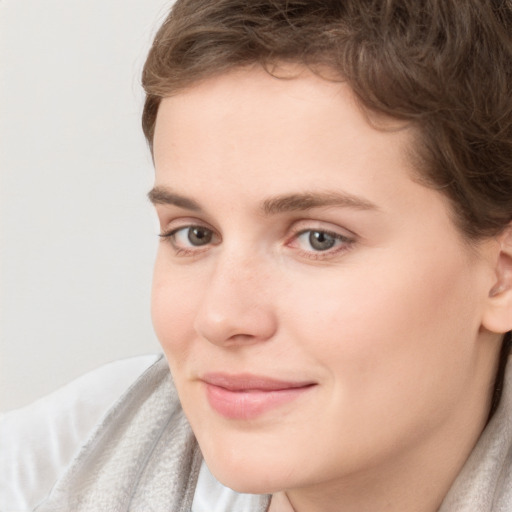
[244,397]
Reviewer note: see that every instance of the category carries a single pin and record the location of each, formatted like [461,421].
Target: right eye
[186,238]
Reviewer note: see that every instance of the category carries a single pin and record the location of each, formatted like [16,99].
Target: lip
[247,396]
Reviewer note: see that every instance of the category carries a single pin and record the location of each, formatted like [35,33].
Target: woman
[333,287]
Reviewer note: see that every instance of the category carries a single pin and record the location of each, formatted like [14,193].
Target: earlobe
[498,314]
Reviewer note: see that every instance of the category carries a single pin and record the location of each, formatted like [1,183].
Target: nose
[236,307]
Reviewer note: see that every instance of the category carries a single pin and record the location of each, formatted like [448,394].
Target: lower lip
[247,405]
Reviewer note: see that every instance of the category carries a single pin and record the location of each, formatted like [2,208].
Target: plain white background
[78,236]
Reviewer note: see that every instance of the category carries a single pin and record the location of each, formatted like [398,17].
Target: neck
[406,489]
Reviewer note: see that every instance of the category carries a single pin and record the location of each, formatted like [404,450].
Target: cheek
[393,344]
[395,322]
[173,305]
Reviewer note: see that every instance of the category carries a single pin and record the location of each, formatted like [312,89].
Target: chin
[247,475]
[247,482]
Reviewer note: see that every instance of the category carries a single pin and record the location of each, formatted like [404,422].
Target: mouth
[245,396]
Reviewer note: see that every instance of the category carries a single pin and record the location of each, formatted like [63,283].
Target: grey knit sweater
[143,457]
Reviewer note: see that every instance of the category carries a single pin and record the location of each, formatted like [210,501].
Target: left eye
[318,240]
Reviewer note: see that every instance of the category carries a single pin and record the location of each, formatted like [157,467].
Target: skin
[390,324]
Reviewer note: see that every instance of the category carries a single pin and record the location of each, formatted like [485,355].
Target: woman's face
[320,312]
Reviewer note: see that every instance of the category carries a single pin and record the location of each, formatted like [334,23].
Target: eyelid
[180,223]
[304,225]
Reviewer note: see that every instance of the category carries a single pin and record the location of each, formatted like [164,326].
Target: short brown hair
[444,65]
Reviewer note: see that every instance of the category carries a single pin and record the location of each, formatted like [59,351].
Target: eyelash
[170,236]
[342,243]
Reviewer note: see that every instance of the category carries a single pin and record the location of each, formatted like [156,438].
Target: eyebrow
[274,205]
[161,195]
[310,200]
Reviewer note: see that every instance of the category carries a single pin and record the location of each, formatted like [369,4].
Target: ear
[498,313]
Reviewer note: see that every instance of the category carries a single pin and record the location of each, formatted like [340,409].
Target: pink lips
[246,396]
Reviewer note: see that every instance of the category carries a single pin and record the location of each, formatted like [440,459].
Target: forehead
[248,114]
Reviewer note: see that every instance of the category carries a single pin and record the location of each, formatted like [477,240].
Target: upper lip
[247,381]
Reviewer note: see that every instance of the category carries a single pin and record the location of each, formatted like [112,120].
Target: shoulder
[39,441]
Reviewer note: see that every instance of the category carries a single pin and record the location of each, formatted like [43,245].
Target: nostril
[237,326]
